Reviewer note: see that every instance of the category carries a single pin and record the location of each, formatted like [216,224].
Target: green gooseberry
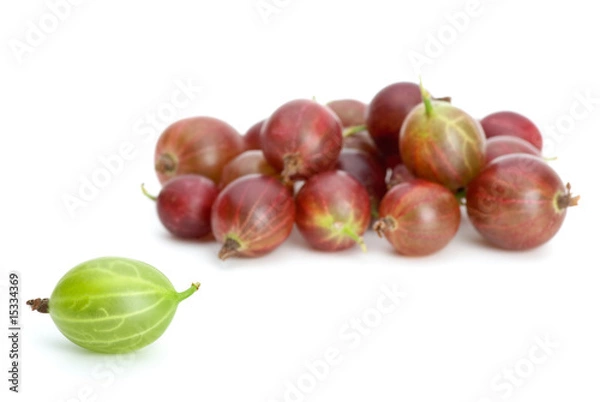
[113,304]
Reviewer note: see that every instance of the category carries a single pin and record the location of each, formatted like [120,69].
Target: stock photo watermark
[441,39]
[145,129]
[267,9]
[13,279]
[514,376]
[38,30]
[349,337]
[103,376]
[583,105]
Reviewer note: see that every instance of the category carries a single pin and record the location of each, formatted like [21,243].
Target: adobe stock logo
[145,130]
[268,8]
[438,42]
[38,31]
[350,336]
[515,376]
[105,374]
[583,105]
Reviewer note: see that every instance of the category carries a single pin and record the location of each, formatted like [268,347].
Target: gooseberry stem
[348,131]
[461,196]
[443,99]
[567,200]
[187,293]
[291,165]
[426,99]
[166,164]
[384,224]
[230,248]
[354,236]
[152,197]
[39,305]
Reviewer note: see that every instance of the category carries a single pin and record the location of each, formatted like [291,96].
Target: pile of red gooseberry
[403,165]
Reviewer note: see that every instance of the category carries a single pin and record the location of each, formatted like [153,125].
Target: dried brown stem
[40,305]
[566,200]
[291,165]
[230,248]
[384,224]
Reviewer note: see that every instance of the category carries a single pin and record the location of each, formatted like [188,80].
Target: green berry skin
[114,305]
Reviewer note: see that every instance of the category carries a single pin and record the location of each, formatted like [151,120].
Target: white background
[471,312]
